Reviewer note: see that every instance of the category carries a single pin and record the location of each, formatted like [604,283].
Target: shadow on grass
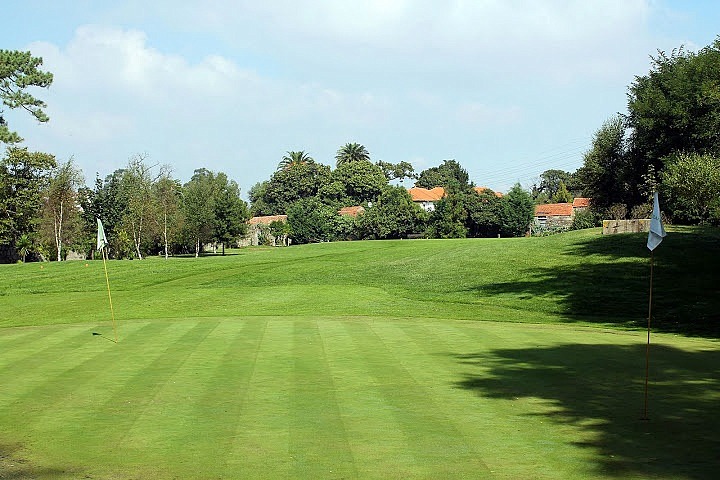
[599,389]
[14,467]
[607,278]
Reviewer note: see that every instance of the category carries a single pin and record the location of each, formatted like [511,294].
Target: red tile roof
[424,195]
[352,211]
[482,189]
[581,202]
[554,209]
[267,220]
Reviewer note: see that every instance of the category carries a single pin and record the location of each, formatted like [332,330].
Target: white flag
[657,232]
[101,239]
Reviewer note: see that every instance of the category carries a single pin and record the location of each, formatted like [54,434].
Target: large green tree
[310,220]
[393,215]
[606,174]
[360,182]
[199,207]
[450,174]
[18,71]
[24,175]
[691,187]
[673,109]
[231,211]
[517,213]
[676,106]
[167,193]
[290,185]
[61,209]
[137,182]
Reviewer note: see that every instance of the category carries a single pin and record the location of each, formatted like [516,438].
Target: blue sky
[507,88]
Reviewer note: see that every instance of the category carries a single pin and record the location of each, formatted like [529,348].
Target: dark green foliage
[517,213]
[24,175]
[449,174]
[289,185]
[399,171]
[213,209]
[19,70]
[691,188]
[605,172]
[562,195]
[257,195]
[393,215]
[676,106]
[486,213]
[360,182]
[584,218]
[311,220]
[673,109]
[549,185]
[231,212]
[449,219]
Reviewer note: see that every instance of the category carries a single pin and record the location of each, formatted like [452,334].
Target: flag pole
[107,281]
[647,346]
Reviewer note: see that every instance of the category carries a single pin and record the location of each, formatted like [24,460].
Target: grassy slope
[578,276]
[238,367]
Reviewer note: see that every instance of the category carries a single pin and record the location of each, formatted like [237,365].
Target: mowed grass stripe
[439,449]
[51,348]
[319,444]
[425,353]
[193,418]
[377,439]
[66,392]
[14,339]
[100,431]
[261,436]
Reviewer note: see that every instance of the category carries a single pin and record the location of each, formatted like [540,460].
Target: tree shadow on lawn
[15,467]
[606,279]
[600,390]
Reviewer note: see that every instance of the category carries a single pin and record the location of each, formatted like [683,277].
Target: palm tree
[293,159]
[351,152]
[24,245]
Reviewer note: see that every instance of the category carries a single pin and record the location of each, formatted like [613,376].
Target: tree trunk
[165,234]
[197,247]
[58,232]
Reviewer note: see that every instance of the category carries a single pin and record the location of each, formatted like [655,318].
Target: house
[259,232]
[426,198]
[581,203]
[553,215]
[351,211]
[482,189]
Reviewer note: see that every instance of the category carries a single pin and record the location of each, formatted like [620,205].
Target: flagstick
[107,280]
[647,348]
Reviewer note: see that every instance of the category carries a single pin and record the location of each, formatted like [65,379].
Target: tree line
[49,212]
[668,141]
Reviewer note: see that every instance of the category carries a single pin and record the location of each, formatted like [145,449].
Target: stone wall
[626,226]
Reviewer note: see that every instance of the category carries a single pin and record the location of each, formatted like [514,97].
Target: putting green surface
[353,397]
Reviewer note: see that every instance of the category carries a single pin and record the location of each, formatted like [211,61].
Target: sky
[508,88]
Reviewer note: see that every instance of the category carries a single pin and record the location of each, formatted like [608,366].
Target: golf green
[353,397]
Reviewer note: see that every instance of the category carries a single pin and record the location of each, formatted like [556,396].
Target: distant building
[482,189]
[581,203]
[552,215]
[426,198]
[259,232]
[351,211]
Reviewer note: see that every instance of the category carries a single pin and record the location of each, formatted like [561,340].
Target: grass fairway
[448,359]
